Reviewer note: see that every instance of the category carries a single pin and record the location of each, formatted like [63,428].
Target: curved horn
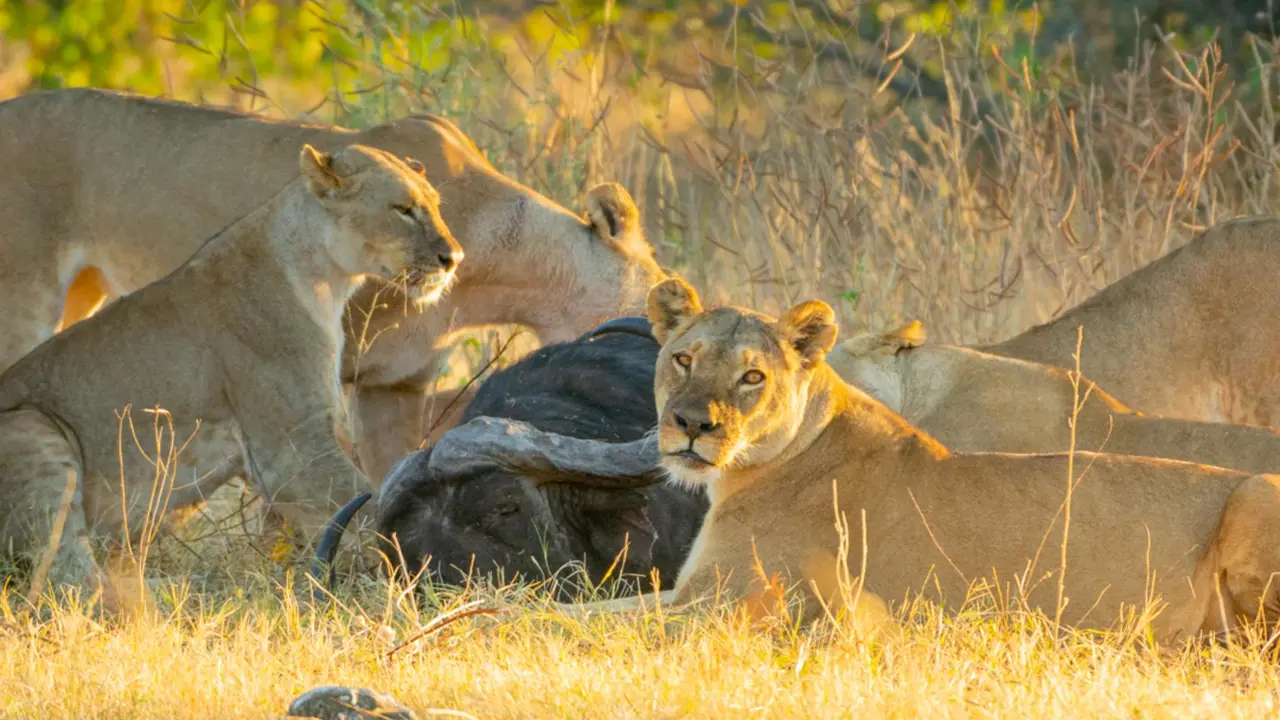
[327,548]
[545,456]
[401,481]
[631,325]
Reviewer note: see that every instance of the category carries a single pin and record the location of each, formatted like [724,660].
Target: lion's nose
[450,260]
[695,427]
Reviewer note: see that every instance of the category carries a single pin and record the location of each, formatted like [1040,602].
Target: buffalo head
[554,465]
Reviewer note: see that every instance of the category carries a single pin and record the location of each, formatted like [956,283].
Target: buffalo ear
[319,169]
[810,328]
[672,304]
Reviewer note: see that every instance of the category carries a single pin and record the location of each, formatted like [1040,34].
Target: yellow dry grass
[247,652]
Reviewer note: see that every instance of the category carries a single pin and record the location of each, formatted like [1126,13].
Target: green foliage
[149,45]
[190,47]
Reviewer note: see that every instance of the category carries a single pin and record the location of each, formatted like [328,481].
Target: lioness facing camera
[749,408]
[244,339]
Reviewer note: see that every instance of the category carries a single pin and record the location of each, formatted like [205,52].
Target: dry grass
[241,645]
[770,180]
[792,179]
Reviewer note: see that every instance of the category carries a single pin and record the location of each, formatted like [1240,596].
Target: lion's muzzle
[441,252]
[450,260]
[434,267]
[691,438]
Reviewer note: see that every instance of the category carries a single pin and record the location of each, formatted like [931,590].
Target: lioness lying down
[1189,335]
[748,407]
[244,339]
[103,192]
[974,401]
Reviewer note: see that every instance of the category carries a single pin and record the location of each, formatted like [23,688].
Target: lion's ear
[862,344]
[612,212]
[672,304]
[319,169]
[911,335]
[810,328]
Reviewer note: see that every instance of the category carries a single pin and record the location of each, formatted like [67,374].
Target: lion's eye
[404,210]
[752,377]
[683,360]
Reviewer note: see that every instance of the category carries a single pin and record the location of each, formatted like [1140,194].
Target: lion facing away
[973,401]
[1188,335]
[241,342]
[749,408]
[104,192]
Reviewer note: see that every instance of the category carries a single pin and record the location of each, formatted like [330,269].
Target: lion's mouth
[428,284]
[691,458]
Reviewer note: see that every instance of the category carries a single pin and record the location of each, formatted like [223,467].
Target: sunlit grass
[235,634]
[246,646]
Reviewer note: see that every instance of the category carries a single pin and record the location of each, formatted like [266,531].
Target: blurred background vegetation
[195,46]
[979,165]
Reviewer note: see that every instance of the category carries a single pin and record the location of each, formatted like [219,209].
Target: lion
[749,409]
[973,401]
[104,192]
[241,342]
[1186,336]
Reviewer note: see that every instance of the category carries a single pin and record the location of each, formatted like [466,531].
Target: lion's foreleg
[389,425]
[301,469]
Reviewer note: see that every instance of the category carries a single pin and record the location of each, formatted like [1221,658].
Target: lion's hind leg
[41,491]
[1241,579]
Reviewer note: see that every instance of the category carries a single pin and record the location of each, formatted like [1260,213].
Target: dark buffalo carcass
[510,490]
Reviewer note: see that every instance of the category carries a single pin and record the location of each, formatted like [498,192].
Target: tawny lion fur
[1188,335]
[103,192]
[748,406]
[244,338]
[973,401]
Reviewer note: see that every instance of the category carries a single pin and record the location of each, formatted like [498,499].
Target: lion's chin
[689,470]
[428,288]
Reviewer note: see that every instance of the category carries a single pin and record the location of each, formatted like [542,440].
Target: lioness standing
[244,338]
[749,408]
[1188,335]
[128,187]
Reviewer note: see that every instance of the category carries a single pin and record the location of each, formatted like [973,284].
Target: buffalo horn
[628,324]
[544,456]
[327,548]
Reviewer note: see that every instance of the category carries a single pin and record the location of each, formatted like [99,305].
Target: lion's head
[385,217]
[731,384]
[530,260]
